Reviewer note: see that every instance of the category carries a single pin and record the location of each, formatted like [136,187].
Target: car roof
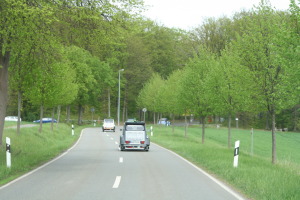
[134,123]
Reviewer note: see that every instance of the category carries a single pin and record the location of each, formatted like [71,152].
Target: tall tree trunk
[53,111]
[173,122]
[58,113]
[41,118]
[267,121]
[229,130]
[154,117]
[148,115]
[19,111]
[140,114]
[295,118]
[108,96]
[4,63]
[79,114]
[203,129]
[186,125]
[68,113]
[273,138]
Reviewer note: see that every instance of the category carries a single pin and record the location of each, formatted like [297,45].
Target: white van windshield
[108,120]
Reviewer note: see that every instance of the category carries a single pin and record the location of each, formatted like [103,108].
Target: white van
[108,124]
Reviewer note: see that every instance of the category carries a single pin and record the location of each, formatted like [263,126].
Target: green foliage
[261,50]
[214,34]
[195,83]
[52,85]
[80,60]
[150,95]
[170,97]
[168,52]
[137,70]
[231,84]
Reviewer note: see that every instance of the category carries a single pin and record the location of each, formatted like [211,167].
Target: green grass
[256,176]
[9,124]
[30,149]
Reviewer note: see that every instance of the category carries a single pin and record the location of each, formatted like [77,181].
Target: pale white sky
[187,14]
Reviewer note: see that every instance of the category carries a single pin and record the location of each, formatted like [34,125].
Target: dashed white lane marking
[121,160]
[116,143]
[112,138]
[117,182]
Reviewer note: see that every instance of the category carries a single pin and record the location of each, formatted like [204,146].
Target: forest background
[63,58]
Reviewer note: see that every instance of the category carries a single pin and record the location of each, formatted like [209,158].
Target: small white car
[108,124]
[12,118]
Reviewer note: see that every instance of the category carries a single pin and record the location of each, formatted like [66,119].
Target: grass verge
[256,177]
[31,149]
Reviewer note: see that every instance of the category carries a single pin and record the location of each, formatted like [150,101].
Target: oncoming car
[108,124]
[164,121]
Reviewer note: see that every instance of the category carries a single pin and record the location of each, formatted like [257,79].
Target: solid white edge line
[222,185]
[117,182]
[42,166]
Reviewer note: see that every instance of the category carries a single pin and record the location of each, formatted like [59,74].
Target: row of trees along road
[60,52]
[68,53]
[247,64]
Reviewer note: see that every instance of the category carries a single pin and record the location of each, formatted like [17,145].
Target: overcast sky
[187,14]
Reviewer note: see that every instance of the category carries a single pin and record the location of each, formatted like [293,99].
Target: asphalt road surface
[95,169]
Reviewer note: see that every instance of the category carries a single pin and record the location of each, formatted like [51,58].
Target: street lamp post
[119,96]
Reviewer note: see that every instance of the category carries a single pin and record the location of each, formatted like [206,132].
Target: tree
[170,95]
[150,95]
[168,51]
[230,85]
[21,23]
[81,60]
[51,82]
[194,91]
[137,71]
[213,34]
[22,62]
[262,52]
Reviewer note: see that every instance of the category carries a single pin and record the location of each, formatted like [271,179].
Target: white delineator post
[236,153]
[151,128]
[72,129]
[8,153]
